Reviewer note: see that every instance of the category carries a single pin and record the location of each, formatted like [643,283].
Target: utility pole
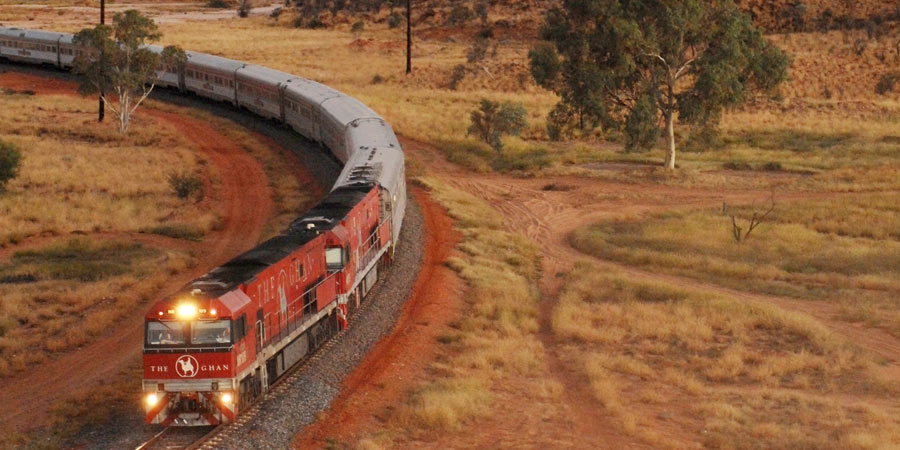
[408,38]
[102,22]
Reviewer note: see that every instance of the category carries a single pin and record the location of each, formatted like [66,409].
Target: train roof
[346,110]
[212,61]
[324,217]
[49,36]
[330,211]
[311,91]
[370,165]
[243,268]
[266,75]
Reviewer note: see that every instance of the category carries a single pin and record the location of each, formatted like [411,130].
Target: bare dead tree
[756,219]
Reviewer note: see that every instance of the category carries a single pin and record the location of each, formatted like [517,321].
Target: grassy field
[725,374]
[62,285]
[843,249]
[494,344]
[78,175]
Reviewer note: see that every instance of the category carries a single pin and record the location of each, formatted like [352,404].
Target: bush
[10,159]
[244,8]
[358,27]
[185,185]
[377,79]
[492,120]
[394,20]
[460,15]
[276,13]
[559,122]
[221,4]
[459,72]
[773,166]
[641,131]
[478,50]
[737,165]
[887,82]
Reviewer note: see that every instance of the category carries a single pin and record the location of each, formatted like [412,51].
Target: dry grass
[493,342]
[844,249]
[81,176]
[839,142]
[290,197]
[733,375]
[73,291]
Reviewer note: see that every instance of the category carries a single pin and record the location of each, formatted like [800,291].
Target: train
[221,341]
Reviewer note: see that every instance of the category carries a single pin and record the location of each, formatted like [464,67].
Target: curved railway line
[325,263]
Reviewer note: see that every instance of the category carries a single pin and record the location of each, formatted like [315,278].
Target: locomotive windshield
[165,333]
[180,333]
[211,332]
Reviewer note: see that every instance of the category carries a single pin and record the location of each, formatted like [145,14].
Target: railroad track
[182,438]
[177,438]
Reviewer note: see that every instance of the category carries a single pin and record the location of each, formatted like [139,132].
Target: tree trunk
[670,140]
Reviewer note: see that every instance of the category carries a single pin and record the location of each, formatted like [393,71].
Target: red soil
[396,362]
[245,201]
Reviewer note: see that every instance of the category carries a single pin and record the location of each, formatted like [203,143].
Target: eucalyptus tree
[117,61]
[612,61]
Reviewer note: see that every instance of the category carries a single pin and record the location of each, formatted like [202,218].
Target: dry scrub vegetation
[493,348]
[834,141]
[720,372]
[842,249]
[78,175]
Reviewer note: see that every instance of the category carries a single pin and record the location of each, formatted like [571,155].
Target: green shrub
[492,120]
[358,27]
[185,185]
[641,130]
[10,159]
[394,20]
[459,72]
[737,165]
[887,82]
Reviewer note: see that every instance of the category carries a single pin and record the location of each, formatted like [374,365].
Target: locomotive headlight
[187,311]
[226,398]
[152,399]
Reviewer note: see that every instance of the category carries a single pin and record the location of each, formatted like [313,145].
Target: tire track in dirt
[548,210]
[245,201]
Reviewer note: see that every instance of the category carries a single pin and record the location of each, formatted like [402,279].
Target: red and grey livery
[223,339]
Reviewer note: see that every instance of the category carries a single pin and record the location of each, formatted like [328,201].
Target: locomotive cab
[190,357]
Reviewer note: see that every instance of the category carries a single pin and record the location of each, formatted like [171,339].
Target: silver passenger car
[211,76]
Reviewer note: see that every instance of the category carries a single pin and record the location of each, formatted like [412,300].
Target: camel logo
[186,366]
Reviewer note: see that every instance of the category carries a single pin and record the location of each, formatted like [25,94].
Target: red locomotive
[223,339]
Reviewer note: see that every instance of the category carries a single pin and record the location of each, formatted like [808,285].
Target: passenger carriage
[211,76]
[261,90]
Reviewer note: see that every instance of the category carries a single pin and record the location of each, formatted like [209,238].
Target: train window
[240,328]
[165,333]
[334,258]
[211,332]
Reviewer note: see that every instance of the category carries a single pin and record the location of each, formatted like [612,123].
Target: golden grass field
[842,249]
[78,175]
[748,377]
[670,367]
[80,178]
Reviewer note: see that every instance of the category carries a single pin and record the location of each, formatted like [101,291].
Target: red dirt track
[399,358]
[245,201]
